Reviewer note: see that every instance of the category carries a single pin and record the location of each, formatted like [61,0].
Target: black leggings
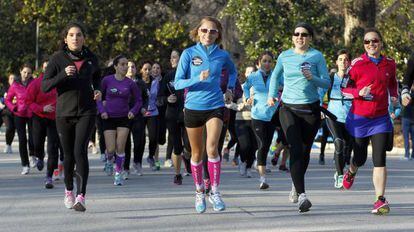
[232,129]
[152,124]
[379,146]
[264,134]
[8,120]
[99,127]
[162,126]
[300,127]
[74,134]
[43,127]
[21,124]
[324,137]
[175,135]
[247,141]
[138,136]
[342,141]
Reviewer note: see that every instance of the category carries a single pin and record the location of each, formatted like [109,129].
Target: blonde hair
[194,32]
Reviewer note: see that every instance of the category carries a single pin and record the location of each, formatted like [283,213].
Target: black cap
[307,26]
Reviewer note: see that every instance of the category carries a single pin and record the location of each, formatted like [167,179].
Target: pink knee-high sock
[119,162]
[214,169]
[197,173]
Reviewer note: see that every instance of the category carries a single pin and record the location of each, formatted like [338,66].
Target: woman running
[8,119]
[263,115]
[303,70]
[199,71]
[116,113]
[372,79]
[16,102]
[74,72]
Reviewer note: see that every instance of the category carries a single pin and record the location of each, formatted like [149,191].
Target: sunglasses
[301,34]
[211,31]
[371,40]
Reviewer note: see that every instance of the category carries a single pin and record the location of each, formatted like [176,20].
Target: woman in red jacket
[43,107]
[15,101]
[371,80]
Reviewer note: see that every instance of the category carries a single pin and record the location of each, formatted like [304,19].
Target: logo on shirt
[113,90]
[196,61]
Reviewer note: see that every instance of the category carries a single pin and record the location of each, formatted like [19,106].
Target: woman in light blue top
[304,71]
[199,71]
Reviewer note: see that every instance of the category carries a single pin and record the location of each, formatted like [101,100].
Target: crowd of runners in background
[276,106]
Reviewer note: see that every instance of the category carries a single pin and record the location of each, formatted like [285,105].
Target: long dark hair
[110,70]
[64,33]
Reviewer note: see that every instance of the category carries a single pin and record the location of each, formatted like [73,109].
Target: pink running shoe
[69,199]
[80,203]
[381,206]
[348,180]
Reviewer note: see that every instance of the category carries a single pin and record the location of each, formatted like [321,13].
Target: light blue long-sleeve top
[206,94]
[260,109]
[338,104]
[297,89]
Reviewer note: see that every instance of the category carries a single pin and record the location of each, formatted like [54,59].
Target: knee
[211,150]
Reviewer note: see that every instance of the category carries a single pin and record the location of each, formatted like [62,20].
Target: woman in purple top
[116,113]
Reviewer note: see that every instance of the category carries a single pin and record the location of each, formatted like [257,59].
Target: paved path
[153,203]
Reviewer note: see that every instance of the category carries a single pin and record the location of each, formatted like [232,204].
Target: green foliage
[269,24]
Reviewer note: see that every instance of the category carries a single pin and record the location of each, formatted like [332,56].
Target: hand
[308,74]
[365,91]
[249,101]
[2,106]
[48,108]
[104,115]
[70,70]
[204,74]
[394,101]
[271,101]
[393,116]
[405,99]
[172,98]
[130,115]
[143,111]
[97,95]
[228,96]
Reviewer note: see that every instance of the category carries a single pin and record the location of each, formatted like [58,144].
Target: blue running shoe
[118,179]
[215,199]
[109,168]
[200,202]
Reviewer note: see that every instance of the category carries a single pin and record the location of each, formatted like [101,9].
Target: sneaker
[137,169]
[94,150]
[293,195]
[103,157]
[69,199]
[304,204]
[80,203]
[168,163]
[381,206]
[348,179]
[187,164]
[32,161]
[178,179]
[157,166]
[321,159]
[55,176]
[263,185]
[125,174]
[200,202]
[338,179]
[118,179]
[242,168]
[207,185]
[226,154]
[40,164]
[151,162]
[235,162]
[268,169]
[274,160]
[49,183]
[8,149]
[109,168]
[215,199]
[249,173]
[25,170]
[283,168]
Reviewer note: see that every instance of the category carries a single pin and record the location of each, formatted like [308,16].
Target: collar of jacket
[209,50]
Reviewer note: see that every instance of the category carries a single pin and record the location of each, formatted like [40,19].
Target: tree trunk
[359,14]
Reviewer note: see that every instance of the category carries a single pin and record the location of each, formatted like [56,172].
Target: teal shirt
[297,89]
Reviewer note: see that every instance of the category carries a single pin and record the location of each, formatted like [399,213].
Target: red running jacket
[364,72]
[36,99]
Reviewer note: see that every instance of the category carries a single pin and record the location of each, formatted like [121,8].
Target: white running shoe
[218,203]
[25,170]
[69,199]
[168,163]
[304,203]
[137,169]
[293,195]
[242,168]
[8,149]
[33,161]
[249,173]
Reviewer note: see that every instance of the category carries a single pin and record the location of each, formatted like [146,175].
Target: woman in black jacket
[74,72]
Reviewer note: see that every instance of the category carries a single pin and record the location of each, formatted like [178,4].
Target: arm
[32,91]
[350,90]
[323,81]
[52,77]
[409,75]
[246,87]
[231,68]
[274,79]
[181,80]
[99,103]
[9,99]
